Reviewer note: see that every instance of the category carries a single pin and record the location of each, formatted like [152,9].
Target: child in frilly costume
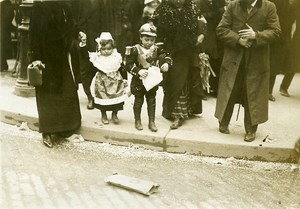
[108,86]
[141,58]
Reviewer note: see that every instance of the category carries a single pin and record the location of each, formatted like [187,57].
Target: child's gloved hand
[125,82]
[82,39]
[165,67]
[143,73]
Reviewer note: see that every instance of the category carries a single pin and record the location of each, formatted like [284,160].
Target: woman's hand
[82,39]
[200,39]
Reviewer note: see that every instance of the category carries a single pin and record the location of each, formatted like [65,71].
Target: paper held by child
[153,78]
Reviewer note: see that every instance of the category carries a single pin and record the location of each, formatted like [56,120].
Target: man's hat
[148,29]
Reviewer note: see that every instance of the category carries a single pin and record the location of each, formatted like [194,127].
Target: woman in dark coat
[52,43]
[178,28]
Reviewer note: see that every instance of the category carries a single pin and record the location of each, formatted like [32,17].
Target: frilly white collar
[106,64]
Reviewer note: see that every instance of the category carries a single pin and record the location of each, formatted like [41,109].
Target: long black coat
[294,61]
[264,20]
[52,40]
[90,21]
[279,51]
[7,15]
[213,14]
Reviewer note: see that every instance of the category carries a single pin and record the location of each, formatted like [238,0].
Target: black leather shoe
[224,129]
[47,140]
[90,104]
[176,123]
[284,92]
[250,136]
[272,98]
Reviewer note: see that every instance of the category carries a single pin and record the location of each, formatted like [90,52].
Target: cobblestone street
[71,175]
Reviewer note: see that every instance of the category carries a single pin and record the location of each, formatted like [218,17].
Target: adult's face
[177,3]
[246,1]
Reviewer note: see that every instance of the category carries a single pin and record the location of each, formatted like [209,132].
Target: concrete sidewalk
[198,135]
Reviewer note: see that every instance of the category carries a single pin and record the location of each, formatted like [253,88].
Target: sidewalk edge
[167,144]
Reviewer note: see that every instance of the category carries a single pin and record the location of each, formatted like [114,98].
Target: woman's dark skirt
[59,111]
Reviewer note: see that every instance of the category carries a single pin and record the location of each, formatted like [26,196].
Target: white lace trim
[106,64]
[112,101]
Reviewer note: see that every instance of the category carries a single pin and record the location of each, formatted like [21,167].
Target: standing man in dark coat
[52,37]
[246,29]
[293,65]
[279,51]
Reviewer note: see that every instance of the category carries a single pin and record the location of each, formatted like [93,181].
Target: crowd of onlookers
[158,43]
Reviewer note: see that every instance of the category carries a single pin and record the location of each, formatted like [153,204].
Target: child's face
[106,50]
[147,41]
[154,4]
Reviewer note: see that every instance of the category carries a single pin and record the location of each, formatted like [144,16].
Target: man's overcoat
[264,21]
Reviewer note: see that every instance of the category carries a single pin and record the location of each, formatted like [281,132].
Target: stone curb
[167,141]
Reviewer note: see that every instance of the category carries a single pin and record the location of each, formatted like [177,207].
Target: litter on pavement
[134,184]
[75,138]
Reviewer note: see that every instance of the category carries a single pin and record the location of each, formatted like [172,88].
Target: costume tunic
[108,86]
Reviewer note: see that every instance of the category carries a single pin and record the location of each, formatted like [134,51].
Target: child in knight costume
[143,59]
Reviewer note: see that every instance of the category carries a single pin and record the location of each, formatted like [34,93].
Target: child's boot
[104,117]
[114,117]
[137,108]
[151,113]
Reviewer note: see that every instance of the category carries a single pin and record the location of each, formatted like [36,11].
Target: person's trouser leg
[287,80]
[271,84]
[237,93]
[249,128]
[228,113]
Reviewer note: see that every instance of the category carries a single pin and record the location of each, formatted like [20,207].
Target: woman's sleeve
[35,33]
[164,56]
